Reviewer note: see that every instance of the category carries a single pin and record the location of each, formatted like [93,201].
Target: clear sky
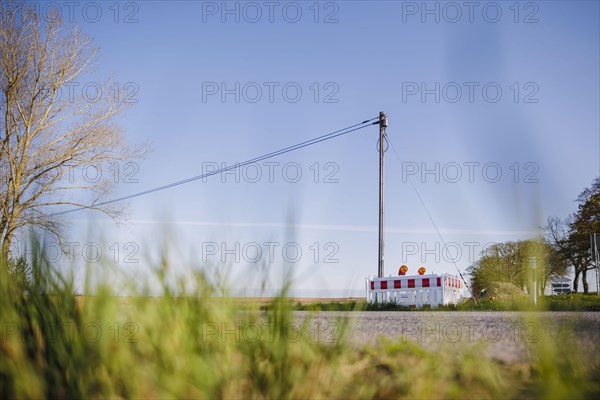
[493,108]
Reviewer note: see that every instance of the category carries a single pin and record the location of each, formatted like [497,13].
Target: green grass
[570,302]
[58,345]
[573,302]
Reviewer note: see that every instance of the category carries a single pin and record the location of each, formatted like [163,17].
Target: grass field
[570,302]
[58,345]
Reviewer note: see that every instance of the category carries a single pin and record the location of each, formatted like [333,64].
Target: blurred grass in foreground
[190,345]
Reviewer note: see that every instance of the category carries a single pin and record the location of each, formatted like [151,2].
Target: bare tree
[49,129]
[566,242]
[571,237]
[585,222]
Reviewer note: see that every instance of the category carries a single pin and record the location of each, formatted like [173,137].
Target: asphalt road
[507,335]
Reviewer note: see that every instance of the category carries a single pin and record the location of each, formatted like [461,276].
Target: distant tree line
[570,237]
[565,244]
[511,262]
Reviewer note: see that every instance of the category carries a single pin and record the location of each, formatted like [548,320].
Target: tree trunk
[576,280]
[543,285]
[584,280]
[4,255]
[6,245]
[10,226]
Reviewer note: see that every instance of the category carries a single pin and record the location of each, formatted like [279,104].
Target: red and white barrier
[415,290]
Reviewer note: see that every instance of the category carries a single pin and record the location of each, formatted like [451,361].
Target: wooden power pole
[382,125]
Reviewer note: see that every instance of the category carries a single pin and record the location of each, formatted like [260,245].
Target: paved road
[507,334]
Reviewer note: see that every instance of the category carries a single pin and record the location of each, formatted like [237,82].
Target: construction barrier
[415,291]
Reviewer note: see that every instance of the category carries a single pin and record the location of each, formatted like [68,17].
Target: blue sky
[540,132]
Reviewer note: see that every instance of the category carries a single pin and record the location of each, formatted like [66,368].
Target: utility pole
[382,125]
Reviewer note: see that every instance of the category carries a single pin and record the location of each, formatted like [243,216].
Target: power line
[272,154]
